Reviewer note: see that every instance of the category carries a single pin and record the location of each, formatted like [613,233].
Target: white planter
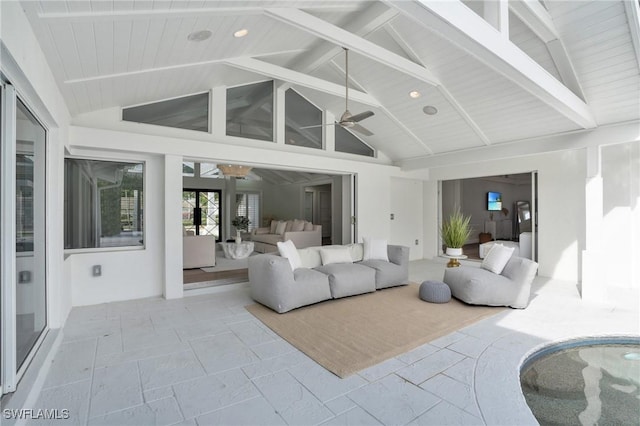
[454,251]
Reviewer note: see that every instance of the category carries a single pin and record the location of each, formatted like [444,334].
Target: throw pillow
[335,255]
[357,251]
[308,226]
[497,258]
[288,250]
[375,249]
[298,225]
[274,224]
[280,228]
[289,225]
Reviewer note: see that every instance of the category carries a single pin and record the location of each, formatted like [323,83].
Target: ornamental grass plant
[456,230]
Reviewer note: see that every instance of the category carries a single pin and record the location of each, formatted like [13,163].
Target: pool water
[584,383]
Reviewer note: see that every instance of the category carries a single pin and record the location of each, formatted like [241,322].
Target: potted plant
[455,231]
[241,223]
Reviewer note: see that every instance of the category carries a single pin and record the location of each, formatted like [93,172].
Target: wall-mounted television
[494,201]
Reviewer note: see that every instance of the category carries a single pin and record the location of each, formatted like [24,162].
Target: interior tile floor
[204,360]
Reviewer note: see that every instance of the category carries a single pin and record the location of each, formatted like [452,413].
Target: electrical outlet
[392,216]
[24,277]
[416,242]
[97,270]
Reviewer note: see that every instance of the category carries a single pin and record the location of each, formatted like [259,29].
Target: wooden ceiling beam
[462,27]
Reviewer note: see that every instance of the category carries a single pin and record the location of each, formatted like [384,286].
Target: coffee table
[237,250]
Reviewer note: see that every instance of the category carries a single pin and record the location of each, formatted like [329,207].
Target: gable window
[250,111]
[351,144]
[104,204]
[189,112]
[301,113]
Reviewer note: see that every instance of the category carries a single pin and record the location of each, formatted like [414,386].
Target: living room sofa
[302,233]
[276,285]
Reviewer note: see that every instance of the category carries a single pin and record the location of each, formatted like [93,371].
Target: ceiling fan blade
[317,125]
[358,128]
[361,116]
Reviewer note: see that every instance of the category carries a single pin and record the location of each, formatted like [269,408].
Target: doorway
[318,209]
[201,212]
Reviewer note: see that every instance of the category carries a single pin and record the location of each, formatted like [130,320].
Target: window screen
[349,143]
[189,112]
[250,111]
[301,113]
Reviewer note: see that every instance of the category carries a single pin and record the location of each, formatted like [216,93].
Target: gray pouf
[435,292]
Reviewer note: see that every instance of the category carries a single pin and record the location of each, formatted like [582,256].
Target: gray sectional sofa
[276,285]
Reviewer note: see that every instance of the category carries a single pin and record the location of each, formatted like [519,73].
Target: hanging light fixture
[234,170]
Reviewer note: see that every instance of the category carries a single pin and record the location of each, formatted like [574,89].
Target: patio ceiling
[497,72]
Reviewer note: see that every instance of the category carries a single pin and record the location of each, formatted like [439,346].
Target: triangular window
[250,111]
[300,113]
[349,143]
[189,112]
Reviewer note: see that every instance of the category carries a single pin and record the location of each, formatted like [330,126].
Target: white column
[218,111]
[593,275]
[329,132]
[279,116]
[173,281]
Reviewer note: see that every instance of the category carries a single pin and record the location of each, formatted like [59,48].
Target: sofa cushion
[497,258]
[297,225]
[310,257]
[357,251]
[274,225]
[348,279]
[375,249]
[267,238]
[288,250]
[387,274]
[336,254]
[308,226]
[281,227]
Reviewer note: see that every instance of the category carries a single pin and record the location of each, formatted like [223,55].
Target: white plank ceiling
[114,53]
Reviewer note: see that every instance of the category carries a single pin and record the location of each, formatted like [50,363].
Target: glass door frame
[10,375]
[220,208]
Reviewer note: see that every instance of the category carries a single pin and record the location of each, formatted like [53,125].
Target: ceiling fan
[347,120]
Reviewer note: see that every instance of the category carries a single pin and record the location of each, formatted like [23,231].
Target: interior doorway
[502,208]
[318,209]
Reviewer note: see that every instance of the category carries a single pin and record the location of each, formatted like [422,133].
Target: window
[189,112]
[104,204]
[301,113]
[249,206]
[250,111]
[349,143]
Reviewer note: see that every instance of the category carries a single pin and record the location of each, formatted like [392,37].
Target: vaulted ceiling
[495,74]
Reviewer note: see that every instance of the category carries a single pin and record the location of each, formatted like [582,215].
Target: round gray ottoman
[435,292]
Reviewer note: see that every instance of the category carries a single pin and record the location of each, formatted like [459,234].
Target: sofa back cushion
[310,257]
[335,254]
[375,249]
[357,251]
[274,225]
[288,250]
[281,227]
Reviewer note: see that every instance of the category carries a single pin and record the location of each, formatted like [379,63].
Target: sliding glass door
[22,215]
[201,212]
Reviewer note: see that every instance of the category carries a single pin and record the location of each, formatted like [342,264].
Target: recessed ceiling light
[430,110]
[201,35]
[415,94]
[241,33]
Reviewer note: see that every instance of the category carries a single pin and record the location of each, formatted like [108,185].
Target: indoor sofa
[302,233]
[274,283]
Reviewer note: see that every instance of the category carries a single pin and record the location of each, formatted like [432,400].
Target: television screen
[494,201]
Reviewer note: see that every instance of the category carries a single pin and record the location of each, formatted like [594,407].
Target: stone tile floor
[204,360]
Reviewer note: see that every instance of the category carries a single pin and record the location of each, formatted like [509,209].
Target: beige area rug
[351,334]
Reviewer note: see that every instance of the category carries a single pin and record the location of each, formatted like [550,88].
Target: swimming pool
[586,381]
